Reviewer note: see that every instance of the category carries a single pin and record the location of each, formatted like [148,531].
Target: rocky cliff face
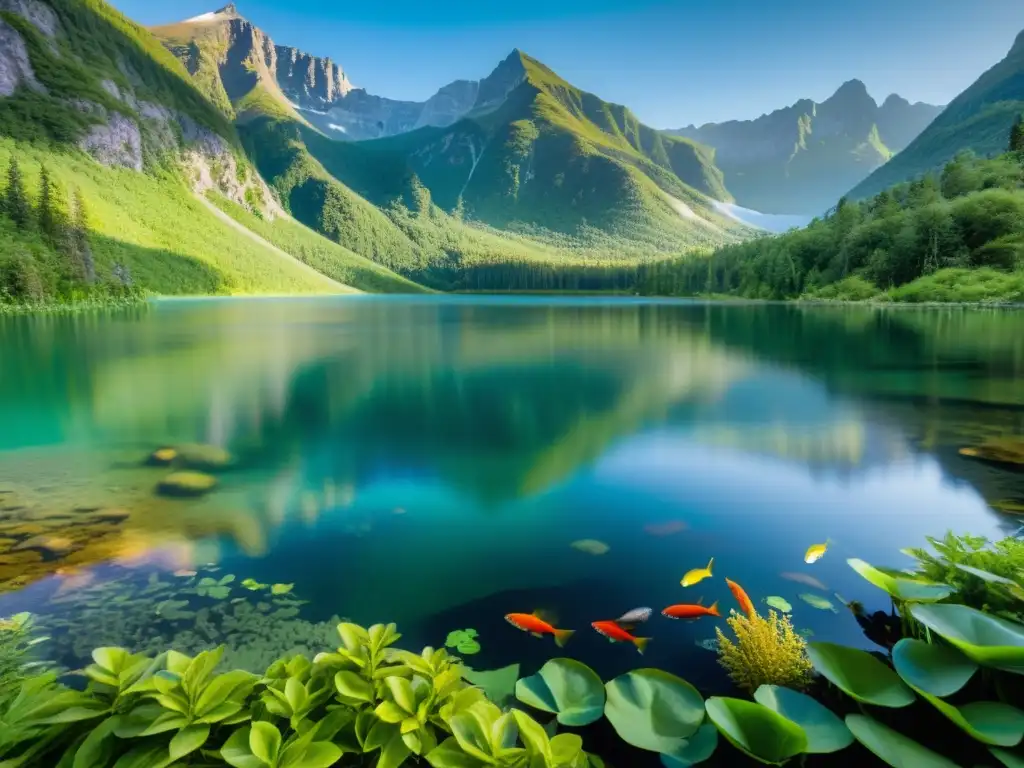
[308,80]
[802,158]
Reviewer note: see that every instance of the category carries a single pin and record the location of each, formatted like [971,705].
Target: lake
[431,461]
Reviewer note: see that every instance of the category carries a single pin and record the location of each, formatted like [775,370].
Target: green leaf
[934,668]
[394,753]
[825,732]
[893,747]
[985,639]
[145,756]
[990,722]
[295,693]
[566,747]
[698,748]
[448,754]
[402,693]
[566,687]
[654,710]
[281,589]
[99,745]
[353,636]
[910,590]
[1007,758]
[390,712]
[236,750]
[320,754]
[756,730]
[110,659]
[222,688]
[265,742]
[532,735]
[985,575]
[188,740]
[352,686]
[859,675]
[471,733]
[498,684]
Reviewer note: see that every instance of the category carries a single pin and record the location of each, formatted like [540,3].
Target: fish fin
[562,636]
[537,634]
[700,600]
[713,610]
[546,615]
[641,643]
[629,626]
[710,563]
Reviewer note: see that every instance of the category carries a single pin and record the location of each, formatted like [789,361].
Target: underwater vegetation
[370,704]
[464,641]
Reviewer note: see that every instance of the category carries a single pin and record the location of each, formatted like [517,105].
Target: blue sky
[673,63]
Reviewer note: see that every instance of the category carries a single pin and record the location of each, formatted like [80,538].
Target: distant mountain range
[801,159]
[978,120]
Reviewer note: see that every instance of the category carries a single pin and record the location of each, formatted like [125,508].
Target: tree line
[46,252]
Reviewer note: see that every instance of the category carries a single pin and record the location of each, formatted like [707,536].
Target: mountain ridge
[801,158]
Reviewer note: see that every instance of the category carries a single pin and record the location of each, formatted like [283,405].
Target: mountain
[979,120]
[93,107]
[236,64]
[802,158]
[517,168]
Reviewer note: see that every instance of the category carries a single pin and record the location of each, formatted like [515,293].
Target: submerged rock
[204,457]
[162,457]
[55,545]
[186,484]
[1004,451]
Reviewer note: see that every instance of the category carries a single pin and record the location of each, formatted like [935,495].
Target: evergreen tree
[1017,135]
[51,213]
[16,204]
[79,250]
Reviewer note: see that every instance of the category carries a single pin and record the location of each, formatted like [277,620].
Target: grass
[325,256]
[166,238]
[981,286]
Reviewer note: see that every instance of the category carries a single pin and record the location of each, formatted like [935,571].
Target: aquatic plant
[464,641]
[988,576]
[218,590]
[16,646]
[766,651]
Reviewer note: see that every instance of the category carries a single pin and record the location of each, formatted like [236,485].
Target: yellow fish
[697,575]
[815,552]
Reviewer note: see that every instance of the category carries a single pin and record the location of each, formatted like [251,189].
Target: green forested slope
[98,82]
[976,120]
[953,236]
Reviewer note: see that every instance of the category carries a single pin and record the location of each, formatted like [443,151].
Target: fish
[617,634]
[803,578]
[817,601]
[636,616]
[538,627]
[815,552]
[690,611]
[779,603]
[665,529]
[697,575]
[590,546]
[741,597]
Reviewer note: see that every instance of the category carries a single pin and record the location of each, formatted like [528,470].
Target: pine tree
[79,250]
[16,204]
[1017,135]
[51,212]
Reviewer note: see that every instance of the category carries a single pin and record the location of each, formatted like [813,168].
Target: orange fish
[691,611]
[741,597]
[617,634]
[536,626]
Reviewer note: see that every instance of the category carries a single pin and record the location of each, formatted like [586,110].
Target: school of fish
[622,629]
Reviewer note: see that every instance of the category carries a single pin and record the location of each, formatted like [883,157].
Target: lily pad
[825,731]
[909,590]
[756,730]
[498,684]
[990,722]
[860,675]
[281,589]
[985,639]
[698,748]
[893,747]
[568,688]
[819,602]
[468,647]
[654,710]
[252,585]
[1007,758]
[934,668]
[779,603]
[457,636]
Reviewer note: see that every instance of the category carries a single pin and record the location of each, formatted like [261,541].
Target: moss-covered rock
[204,457]
[162,457]
[186,484]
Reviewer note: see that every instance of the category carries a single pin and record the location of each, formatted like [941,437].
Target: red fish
[691,611]
[741,597]
[536,626]
[617,634]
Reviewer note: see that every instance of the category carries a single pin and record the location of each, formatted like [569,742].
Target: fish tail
[562,636]
[712,560]
[713,610]
[641,643]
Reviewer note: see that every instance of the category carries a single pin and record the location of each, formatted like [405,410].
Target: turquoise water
[431,461]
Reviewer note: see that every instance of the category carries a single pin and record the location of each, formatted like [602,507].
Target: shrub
[767,651]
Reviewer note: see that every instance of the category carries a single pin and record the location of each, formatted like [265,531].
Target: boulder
[186,484]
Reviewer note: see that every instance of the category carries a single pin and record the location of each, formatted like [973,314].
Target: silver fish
[803,578]
[636,616]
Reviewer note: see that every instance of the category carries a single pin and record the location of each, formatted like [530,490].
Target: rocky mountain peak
[229,10]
